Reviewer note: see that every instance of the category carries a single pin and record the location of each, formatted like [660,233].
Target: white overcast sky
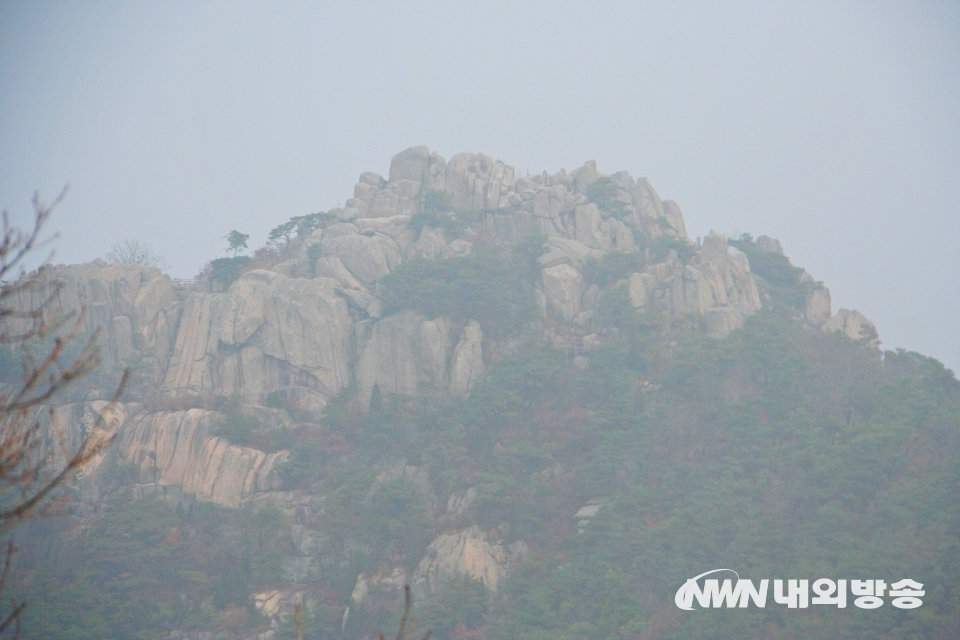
[834,126]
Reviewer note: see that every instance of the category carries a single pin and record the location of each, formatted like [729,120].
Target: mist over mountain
[532,397]
[831,126]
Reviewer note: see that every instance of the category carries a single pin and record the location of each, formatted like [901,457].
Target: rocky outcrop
[417,477]
[769,245]
[315,324]
[467,365]
[402,351]
[367,257]
[564,288]
[817,311]
[466,553]
[266,332]
[177,458]
[716,286]
[296,329]
[640,289]
[129,304]
[854,325]
[408,354]
[67,426]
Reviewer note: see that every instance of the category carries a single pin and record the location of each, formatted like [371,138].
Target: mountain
[534,398]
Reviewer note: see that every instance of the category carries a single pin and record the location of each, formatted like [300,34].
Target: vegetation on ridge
[778,451]
[482,286]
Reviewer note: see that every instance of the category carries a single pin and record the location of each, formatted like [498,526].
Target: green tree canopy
[236,241]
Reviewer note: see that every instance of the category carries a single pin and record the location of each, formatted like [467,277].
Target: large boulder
[266,332]
[591,229]
[585,176]
[406,354]
[467,365]
[692,292]
[674,217]
[817,308]
[854,325]
[769,245]
[564,287]
[431,242]
[176,457]
[721,321]
[718,277]
[125,302]
[333,267]
[465,554]
[637,291]
[368,258]
[578,253]
[410,164]
[475,181]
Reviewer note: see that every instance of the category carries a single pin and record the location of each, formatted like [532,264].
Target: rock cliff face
[266,332]
[176,457]
[469,554]
[314,324]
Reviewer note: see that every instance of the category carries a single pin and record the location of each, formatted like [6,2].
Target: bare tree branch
[132,251]
[31,468]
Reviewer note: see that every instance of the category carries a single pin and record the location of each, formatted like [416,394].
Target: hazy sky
[834,127]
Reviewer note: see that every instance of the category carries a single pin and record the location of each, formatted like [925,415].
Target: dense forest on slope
[777,451]
[546,436]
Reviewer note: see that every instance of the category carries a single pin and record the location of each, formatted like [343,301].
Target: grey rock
[375,308]
[362,206]
[365,192]
[264,329]
[457,249]
[817,309]
[564,288]
[467,365]
[431,242]
[476,182]
[467,553]
[721,321]
[553,258]
[585,176]
[404,353]
[671,211]
[357,299]
[410,164]
[333,267]
[175,453]
[727,271]
[459,504]
[344,215]
[590,297]
[578,252]
[769,245]
[637,291]
[122,339]
[372,179]
[591,229]
[854,325]
[367,258]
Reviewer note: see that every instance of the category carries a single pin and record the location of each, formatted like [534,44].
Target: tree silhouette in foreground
[36,459]
[408,604]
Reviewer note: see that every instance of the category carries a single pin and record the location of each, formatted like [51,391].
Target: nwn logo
[716,595]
